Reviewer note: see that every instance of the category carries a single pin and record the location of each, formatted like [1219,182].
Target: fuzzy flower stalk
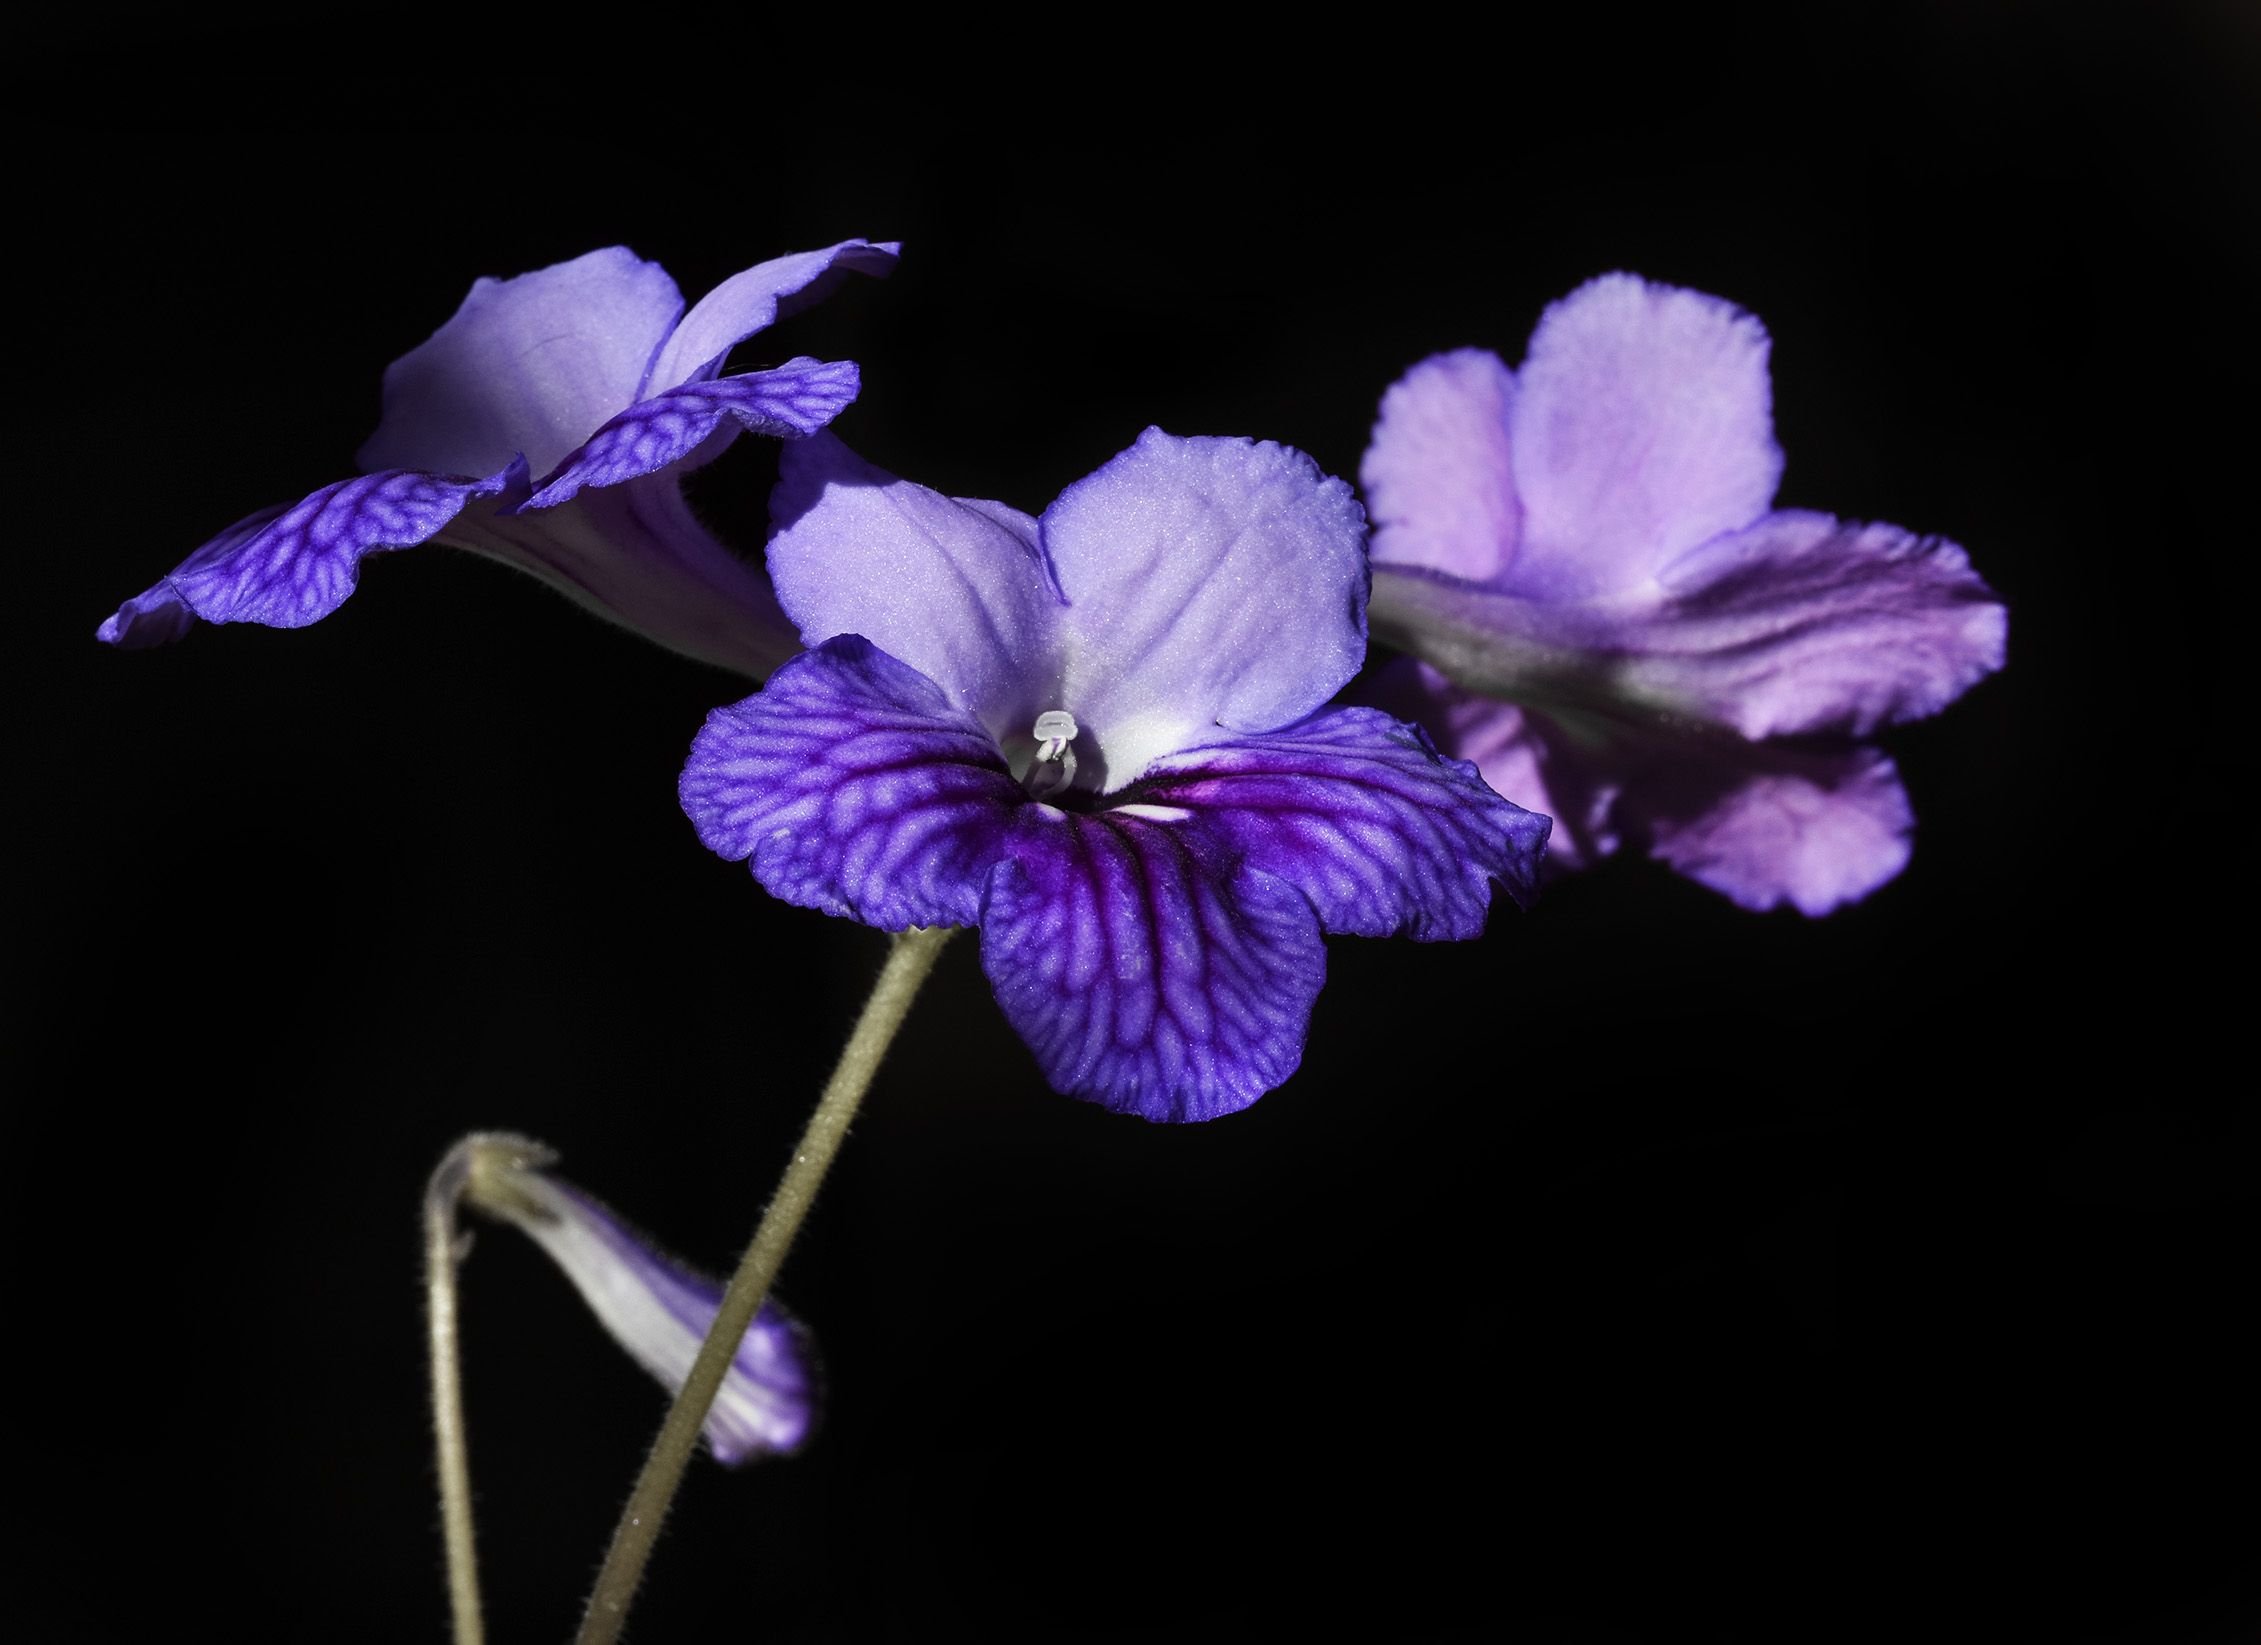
[760,1398]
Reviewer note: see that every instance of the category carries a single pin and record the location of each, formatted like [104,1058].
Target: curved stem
[442,1251]
[908,963]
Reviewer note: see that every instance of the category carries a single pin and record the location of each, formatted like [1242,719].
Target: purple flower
[1100,736]
[545,425]
[653,1306]
[1612,620]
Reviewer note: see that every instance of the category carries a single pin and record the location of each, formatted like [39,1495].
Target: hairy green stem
[442,1251]
[908,963]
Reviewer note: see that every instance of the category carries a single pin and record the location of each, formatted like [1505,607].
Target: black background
[1647,1271]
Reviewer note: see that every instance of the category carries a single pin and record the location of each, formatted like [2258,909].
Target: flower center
[1054,768]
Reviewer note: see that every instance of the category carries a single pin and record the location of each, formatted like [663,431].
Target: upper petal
[1642,424]
[1437,476]
[1359,812]
[1147,970]
[754,300]
[1210,583]
[528,366]
[958,590]
[851,784]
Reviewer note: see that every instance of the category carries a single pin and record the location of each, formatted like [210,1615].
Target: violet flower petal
[1522,755]
[1801,623]
[1814,825]
[1210,582]
[1642,423]
[1438,478]
[660,1311]
[1807,623]
[1147,972]
[1360,813]
[295,566]
[1773,823]
[526,367]
[754,300]
[159,615]
[851,784]
[795,399]
[956,589]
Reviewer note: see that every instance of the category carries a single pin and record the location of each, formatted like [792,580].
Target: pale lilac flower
[1101,736]
[546,425]
[653,1306]
[1614,623]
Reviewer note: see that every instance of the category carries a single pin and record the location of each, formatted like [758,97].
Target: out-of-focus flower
[1608,616]
[1100,736]
[546,425]
[654,1307]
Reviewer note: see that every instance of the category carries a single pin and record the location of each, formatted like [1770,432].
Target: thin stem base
[908,962]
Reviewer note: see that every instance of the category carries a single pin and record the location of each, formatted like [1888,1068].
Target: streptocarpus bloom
[545,425]
[1101,737]
[652,1305]
[1613,621]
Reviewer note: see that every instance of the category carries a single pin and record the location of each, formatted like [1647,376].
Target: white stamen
[1055,766]
[1055,729]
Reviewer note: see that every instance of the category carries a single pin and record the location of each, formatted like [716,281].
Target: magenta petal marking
[796,399]
[1360,813]
[1147,971]
[301,564]
[849,784]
